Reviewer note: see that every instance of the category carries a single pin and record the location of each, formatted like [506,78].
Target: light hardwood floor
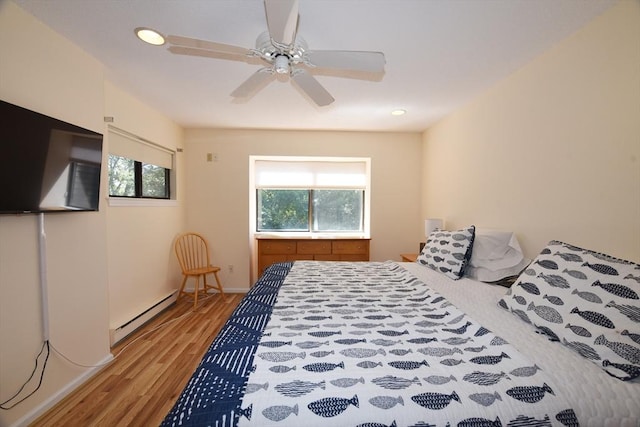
[141,385]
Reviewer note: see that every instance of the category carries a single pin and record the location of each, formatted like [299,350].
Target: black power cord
[48,346]
[3,405]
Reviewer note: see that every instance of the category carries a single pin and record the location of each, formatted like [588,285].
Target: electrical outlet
[230,267]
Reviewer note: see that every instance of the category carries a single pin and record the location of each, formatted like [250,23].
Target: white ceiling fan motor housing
[276,54]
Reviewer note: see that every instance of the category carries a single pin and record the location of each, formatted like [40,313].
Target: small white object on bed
[496,255]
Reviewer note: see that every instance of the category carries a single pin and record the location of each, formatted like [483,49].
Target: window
[138,169]
[311,195]
[130,178]
[310,210]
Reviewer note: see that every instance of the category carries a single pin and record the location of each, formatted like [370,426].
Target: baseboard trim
[50,402]
[121,332]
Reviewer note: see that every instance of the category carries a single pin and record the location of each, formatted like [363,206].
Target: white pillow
[496,255]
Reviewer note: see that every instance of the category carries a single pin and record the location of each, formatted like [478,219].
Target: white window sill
[121,201]
[306,235]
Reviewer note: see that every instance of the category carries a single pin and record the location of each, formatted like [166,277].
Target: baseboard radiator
[122,331]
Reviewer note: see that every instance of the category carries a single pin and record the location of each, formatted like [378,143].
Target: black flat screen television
[47,165]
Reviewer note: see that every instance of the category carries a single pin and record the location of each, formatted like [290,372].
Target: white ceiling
[440,54]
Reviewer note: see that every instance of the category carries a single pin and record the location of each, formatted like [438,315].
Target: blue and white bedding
[362,344]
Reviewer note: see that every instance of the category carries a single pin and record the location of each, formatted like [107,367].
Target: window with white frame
[311,195]
[138,168]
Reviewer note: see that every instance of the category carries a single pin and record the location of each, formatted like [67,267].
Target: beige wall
[43,71]
[218,192]
[101,266]
[553,151]
[142,265]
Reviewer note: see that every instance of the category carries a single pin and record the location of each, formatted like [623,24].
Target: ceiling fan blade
[282,20]
[190,51]
[253,84]
[369,62]
[188,42]
[309,85]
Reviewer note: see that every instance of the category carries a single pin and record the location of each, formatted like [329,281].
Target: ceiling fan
[285,54]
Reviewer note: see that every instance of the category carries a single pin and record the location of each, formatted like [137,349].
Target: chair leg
[195,292]
[217,286]
[215,274]
[196,289]
[207,286]
[182,285]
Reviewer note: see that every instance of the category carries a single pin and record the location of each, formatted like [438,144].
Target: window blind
[126,145]
[310,174]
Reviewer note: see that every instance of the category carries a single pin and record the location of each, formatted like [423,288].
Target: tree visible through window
[283,210]
[311,194]
[310,210]
[337,210]
[130,178]
[122,180]
[155,181]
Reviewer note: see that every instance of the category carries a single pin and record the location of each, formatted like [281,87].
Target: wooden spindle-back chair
[192,250]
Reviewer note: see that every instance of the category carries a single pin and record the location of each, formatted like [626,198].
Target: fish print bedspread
[369,344]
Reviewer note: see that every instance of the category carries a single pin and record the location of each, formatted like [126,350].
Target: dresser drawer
[314,247]
[351,247]
[271,247]
[278,250]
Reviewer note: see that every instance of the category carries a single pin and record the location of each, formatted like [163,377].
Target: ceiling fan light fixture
[281,64]
[398,112]
[150,36]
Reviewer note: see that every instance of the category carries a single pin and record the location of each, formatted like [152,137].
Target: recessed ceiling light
[150,36]
[398,112]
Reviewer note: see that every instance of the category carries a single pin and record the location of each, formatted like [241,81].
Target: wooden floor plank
[143,382]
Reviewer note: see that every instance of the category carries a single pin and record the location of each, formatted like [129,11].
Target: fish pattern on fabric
[395,372]
[332,406]
[279,412]
[386,402]
[298,388]
[448,252]
[584,300]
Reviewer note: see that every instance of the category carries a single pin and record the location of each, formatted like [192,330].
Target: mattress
[292,354]
[597,398]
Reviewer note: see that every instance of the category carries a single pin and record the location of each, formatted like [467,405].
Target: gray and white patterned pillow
[448,252]
[587,300]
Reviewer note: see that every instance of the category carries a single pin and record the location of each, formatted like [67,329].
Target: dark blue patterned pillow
[448,252]
[587,300]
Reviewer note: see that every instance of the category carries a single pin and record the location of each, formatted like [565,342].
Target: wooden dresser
[283,249]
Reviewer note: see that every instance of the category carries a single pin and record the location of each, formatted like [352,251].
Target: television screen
[46,165]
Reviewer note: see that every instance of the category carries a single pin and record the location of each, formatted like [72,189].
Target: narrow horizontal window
[137,168]
[130,178]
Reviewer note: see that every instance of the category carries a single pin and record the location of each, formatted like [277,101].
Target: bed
[401,344]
